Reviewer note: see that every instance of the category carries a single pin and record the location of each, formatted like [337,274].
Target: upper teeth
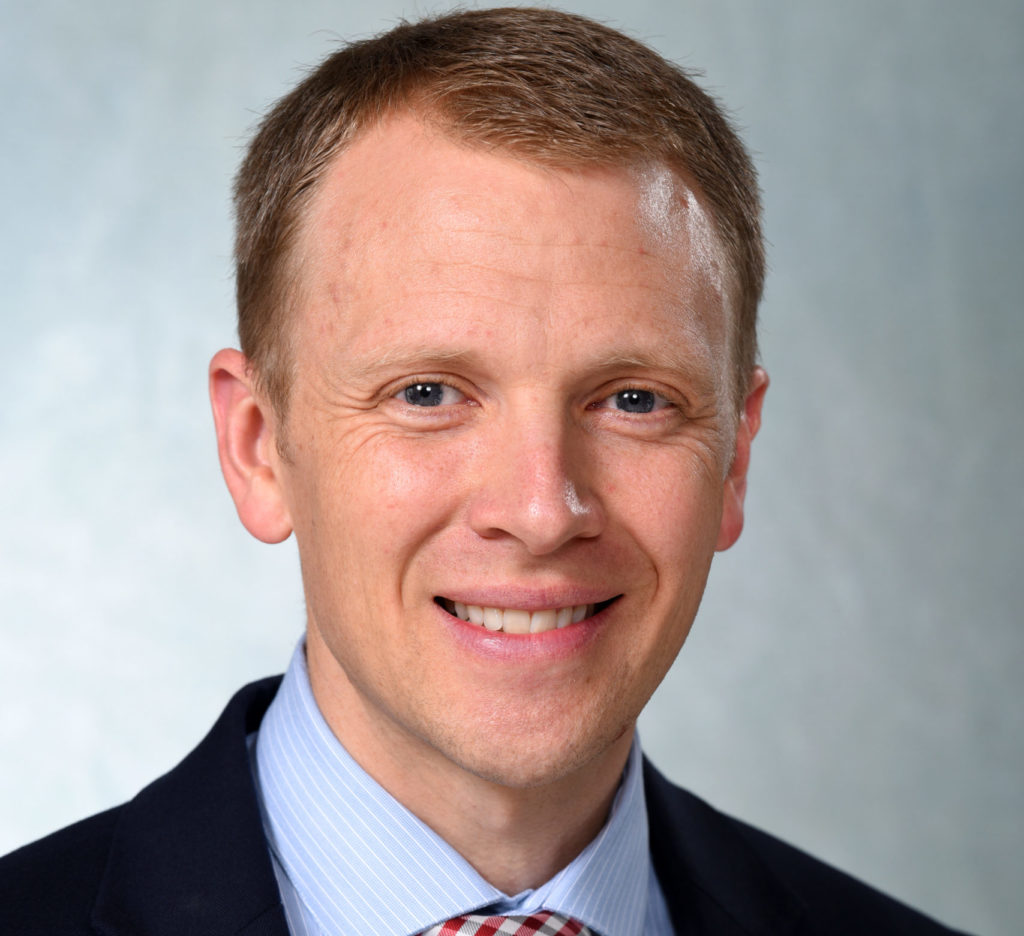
[513,621]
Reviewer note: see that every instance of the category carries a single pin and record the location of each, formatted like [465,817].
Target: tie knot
[544,923]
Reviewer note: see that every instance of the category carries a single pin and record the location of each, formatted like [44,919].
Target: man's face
[511,401]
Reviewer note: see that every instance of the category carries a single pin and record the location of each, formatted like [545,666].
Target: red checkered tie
[544,923]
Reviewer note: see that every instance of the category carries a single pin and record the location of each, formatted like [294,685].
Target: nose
[534,485]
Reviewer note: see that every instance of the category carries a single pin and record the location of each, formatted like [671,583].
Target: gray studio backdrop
[854,679]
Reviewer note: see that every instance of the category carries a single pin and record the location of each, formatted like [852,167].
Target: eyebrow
[423,357]
[697,366]
[663,359]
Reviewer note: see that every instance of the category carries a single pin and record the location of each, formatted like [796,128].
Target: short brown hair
[546,86]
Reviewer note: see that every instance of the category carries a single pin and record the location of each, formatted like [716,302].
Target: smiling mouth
[515,621]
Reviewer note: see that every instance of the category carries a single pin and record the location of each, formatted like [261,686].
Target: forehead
[407,214]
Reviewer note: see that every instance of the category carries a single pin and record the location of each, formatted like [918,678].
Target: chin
[518,757]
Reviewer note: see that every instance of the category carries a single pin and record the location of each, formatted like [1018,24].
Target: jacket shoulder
[837,902]
[186,855]
[48,887]
[752,876]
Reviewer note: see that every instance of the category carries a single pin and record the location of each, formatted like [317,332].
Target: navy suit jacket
[187,857]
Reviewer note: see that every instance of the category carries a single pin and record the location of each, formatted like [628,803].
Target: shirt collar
[361,862]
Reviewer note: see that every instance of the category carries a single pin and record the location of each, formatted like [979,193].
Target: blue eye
[430,394]
[424,394]
[636,401]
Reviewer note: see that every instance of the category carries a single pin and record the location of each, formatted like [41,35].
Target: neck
[517,835]
[516,838]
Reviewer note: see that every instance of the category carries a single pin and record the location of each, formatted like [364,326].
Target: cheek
[391,490]
[399,481]
[670,500]
[375,496]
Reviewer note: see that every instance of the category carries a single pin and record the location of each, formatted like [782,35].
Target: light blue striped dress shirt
[352,861]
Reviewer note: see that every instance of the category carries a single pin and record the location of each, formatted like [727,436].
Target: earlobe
[246,446]
[736,481]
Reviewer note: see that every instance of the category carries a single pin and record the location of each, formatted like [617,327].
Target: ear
[736,480]
[247,448]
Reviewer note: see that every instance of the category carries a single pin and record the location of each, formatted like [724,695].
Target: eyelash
[660,398]
[437,411]
[425,385]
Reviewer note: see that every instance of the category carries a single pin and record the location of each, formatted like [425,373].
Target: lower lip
[551,645]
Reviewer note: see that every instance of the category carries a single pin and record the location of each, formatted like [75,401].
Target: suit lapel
[712,880]
[188,854]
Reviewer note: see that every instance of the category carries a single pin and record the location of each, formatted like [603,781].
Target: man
[498,275]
